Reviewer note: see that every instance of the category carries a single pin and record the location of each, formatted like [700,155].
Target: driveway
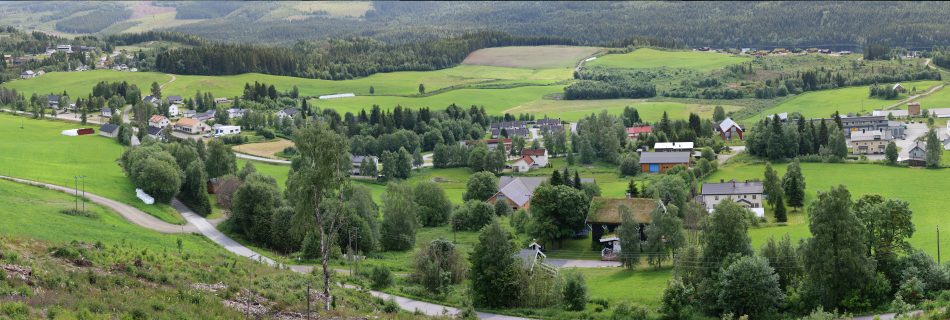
[261,159]
[568,263]
[128,212]
[722,158]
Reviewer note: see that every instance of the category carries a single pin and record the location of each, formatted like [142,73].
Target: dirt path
[915,97]
[128,212]
[169,81]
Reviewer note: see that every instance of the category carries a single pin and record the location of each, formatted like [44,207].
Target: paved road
[722,158]
[261,159]
[128,212]
[567,263]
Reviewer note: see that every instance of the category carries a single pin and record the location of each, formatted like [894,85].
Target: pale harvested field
[264,149]
[535,57]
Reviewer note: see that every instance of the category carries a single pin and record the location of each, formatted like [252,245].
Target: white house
[64,48]
[234,113]
[107,112]
[288,112]
[673,147]
[158,121]
[539,157]
[226,130]
[173,110]
[748,194]
[523,164]
[28,74]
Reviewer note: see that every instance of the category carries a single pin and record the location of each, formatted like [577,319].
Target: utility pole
[83,192]
[309,283]
[76,189]
[938,245]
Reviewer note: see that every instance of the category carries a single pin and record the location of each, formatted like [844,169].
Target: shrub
[438,265]
[381,278]
[625,311]
[473,215]
[575,292]
[266,133]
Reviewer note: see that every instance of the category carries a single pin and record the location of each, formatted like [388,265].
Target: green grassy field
[913,185]
[527,56]
[641,286]
[495,101]
[278,171]
[844,100]
[39,152]
[573,110]
[394,83]
[938,99]
[652,58]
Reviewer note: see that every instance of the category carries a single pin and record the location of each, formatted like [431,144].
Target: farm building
[728,129]
[673,147]
[52,101]
[747,194]
[517,191]
[869,141]
[659,162]
[635,132]
[604,217]
[917,156]
[109,130]
[28,74]
[913,108]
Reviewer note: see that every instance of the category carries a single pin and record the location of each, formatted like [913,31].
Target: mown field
[652,58]
[938,99]
[844,100]
[917,186]
[38,151]
[534,57]
[650,110]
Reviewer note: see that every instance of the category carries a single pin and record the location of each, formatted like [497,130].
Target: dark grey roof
[154,130]
[290,111]
[732,187]
[53,97]
[170,98]
[520,189]
[108,127]
[664,157]
[359,159]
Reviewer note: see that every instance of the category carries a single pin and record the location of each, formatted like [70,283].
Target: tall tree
[399,218]
[221,160]
[496,278]
[664,235]
[890,153]
[793,184]
[156,90]
[557,212]
[726,233]
[719,114]
[836,258]
[434,206]
[194,190]
[888,224]
[779,208]
[934,149]
[750,287]
[480,186]
[629,234]
[772,185]
[320,171]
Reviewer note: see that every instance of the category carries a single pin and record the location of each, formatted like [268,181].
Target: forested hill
[840,25]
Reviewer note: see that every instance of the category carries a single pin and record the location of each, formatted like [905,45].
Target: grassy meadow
[38,151]
[938,99]
[573,110]
[527,56]
[652,58]
[844,100]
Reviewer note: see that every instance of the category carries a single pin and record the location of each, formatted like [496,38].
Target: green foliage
[771,185]
[934,149]
[496,271]
[480,186]
[719,114]
[502,209]
[677,299]
[220,159]
[624,311]
[557,212]
[629,234]
[888,226]
[604,133]
[750,287]
[519,221]
[664,235]
[194,192]
[836,257]
[779,208]
[671,189]
[437,266]
[160,179]
[793,183]
[380,278]
[473,215]
[575,292]
[252,207]
[629,164]
[433,206]
[784,258]
[398,232]
[396,165]
[725,233]
[93,22]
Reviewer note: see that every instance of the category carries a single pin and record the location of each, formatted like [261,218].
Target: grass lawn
[528,56]
[573,110]
[652,58]
[278,171]
[79,84]
[642,286]
[844,100]
[913,185]
[495,101]
[39,152]
[938,99]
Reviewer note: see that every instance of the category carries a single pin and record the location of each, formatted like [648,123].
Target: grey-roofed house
[106,112]
[175,99]
[510,133]
[156,133]
[746,193]
[517,191]
[728,129]
[109,130]
[851,125]
[357,161]
[53,101]
[659,162]
[288,112]
[205,116]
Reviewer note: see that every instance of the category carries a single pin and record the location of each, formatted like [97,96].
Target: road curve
[128,212]
[261,159]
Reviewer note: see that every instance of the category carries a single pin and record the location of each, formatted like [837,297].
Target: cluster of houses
[511,129]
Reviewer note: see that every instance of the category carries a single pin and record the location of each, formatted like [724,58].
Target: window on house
[717,197]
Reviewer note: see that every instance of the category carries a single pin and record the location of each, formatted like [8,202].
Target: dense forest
[336,59]
[840,25]
[94,21]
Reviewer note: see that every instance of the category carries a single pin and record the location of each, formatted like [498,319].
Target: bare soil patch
[264,149]
[530,56]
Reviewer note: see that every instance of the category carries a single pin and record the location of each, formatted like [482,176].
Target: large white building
[747,194]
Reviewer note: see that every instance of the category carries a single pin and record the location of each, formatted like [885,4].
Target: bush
[266,133]
[234,139]
[575,292]
[626,312]
[502,209]
[472,216]
[380,278]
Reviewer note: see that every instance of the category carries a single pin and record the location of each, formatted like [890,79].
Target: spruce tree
[556,178]
[779,206]
[495,272]
[632,189]
[772,185]
[934,150]
[793,183]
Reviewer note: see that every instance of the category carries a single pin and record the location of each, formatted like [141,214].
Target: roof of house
[607,210]
[728,123]
[152,131]
[186,122]
[359,159]
[639,130]
[487,141]
[520,189]
[157,118]
[870,135]
[108,127]
[289,111]
[781,116]
[533,152]
[732,187]
[665,157]
[106,110]
[177,98]
[673,145]
[549,121]
[527,159]
[53,97]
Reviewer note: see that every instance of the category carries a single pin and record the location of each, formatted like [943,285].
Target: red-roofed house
[522,165]
[539,156]
[635,132]
[158,121]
